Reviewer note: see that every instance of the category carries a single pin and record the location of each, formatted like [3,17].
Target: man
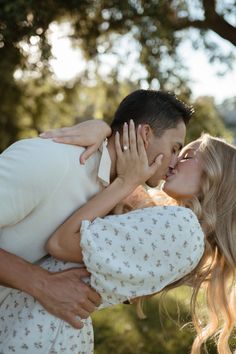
[42,183]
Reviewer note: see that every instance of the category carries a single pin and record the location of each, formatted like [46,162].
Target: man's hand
[89,134]
[65,295]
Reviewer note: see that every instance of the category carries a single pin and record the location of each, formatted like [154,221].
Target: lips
[170,173]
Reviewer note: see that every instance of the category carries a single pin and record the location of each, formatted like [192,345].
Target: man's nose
[173,161]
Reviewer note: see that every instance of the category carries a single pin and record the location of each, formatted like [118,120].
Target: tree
[157,26]
[207,119]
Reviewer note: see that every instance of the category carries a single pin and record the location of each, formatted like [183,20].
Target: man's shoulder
[34,157]
[37,149]
[42,145]
[38,156]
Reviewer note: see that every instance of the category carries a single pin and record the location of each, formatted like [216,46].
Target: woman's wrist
[126,186]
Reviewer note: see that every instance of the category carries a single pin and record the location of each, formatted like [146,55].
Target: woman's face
[184,180]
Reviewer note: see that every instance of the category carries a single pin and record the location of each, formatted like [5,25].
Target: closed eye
[185,157]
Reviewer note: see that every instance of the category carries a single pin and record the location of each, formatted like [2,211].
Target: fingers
[87,153]
[74,321]
[125,136]
[72,140]
[95,298]
[88,307]
[132,137]
[92,295]
[57,133]
[133,144]
[140,142]
[82,272]
[156,164]
[158,160]
[84,313]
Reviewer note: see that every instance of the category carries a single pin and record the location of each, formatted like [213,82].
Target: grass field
[119,331]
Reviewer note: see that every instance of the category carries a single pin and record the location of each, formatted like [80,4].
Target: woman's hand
[132,162]
[89,134]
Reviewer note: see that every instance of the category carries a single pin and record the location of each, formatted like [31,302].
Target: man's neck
[112,153]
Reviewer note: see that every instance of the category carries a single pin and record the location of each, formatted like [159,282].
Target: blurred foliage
[120,331]
[207,119]
[46,105]
[158,28]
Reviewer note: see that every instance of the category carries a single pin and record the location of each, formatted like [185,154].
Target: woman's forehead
[194,145]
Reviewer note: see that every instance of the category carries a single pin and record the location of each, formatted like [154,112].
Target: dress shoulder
[141,252]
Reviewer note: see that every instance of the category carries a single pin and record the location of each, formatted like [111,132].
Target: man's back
[41,184]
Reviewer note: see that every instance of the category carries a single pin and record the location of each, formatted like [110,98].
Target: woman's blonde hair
[215,207]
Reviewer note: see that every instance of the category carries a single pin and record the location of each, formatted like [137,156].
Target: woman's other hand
[132,162]
[89,134]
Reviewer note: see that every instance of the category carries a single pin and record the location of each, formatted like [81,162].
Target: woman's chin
[169,191]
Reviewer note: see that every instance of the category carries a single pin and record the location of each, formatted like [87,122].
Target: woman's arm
[89,134]
[64,243]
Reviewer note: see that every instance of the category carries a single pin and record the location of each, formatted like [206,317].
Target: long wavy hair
[215,207]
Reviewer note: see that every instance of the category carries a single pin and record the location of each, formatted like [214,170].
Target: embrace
[70,243]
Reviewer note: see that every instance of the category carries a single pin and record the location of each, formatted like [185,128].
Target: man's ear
[146,132]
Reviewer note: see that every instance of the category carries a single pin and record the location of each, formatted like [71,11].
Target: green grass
[119,331]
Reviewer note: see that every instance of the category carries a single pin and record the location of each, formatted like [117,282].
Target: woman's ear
[146,132]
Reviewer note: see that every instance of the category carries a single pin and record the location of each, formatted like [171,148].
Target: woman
[199,174]
[204,181]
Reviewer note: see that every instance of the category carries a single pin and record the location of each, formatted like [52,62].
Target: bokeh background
[65,61]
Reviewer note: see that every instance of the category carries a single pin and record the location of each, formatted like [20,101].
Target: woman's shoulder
[173,211]
[171,218]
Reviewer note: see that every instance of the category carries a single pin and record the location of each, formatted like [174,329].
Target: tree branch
[217,23]
[213,21]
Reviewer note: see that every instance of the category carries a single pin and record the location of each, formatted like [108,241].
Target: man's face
[169,144]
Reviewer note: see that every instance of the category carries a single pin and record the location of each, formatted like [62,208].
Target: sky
[68,62]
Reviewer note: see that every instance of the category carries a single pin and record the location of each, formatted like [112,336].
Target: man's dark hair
[161,110]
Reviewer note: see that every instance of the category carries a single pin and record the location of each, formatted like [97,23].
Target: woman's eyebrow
[183,152]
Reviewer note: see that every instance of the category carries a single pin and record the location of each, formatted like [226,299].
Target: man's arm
[89,134]
[20,192]
[64,294]
[64,243]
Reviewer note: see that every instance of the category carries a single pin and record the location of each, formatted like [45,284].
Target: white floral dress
[128,255]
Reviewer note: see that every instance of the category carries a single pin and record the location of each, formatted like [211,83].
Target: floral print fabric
[141,252]
[128,255]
